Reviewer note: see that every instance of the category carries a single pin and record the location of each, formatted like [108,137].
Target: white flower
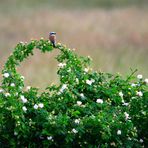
[77,121]
[121,94]
[63,87]
[24,100]
[61,65]
[139,76]
[77,80]
[49,138]
[146,81]
[82,95]
[28,87]
[89,82]
[125,104]
[141,140]
[99,101]
[126,115]
[21,42]
[35,106]
[113,144]
[79,103]
[139,93]
[6,75]
[15,133]
[24,108]
[74,131]
[133,85]
[12,84]
[41,105]
[1,90]
[7,94]
[119,132]
[86,69]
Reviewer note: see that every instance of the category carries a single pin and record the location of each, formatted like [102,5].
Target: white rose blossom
[77,80]
[64,86]
[35,106]
[61,65]
[74,131]
[82,95]
[77,121]
[141,140]
[133,85]
[41,105]
[24,100]
[49,138]
[121,94]
[24,108]
[89,82]
[126,115]
[99,101]
[12,84]
[125,104]
[7,95]
[86,69]
[28,87]
[79,103]
[119,132]
[6,75]
[139,93]
[15,133]
[21,42]
[139,76]
[146,81]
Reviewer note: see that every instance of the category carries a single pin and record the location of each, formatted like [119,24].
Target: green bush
[87,109]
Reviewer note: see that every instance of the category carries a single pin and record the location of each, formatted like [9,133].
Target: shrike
[52,38]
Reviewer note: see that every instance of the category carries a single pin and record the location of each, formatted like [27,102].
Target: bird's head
[52,33]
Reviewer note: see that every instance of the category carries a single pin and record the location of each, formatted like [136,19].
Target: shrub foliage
[87,109]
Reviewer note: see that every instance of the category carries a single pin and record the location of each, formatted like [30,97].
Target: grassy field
[116,38]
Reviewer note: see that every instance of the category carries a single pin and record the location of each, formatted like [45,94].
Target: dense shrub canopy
[87,108]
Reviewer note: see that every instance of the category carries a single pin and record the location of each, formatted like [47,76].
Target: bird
[52,38]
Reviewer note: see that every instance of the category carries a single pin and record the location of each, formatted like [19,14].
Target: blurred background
[113,32]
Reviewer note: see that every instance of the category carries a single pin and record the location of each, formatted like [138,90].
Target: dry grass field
[116,39]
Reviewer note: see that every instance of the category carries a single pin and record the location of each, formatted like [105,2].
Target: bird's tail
[54,44]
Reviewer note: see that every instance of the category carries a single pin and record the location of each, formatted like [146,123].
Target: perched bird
[52,38]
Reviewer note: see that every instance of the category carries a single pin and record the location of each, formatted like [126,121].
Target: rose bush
[87,109]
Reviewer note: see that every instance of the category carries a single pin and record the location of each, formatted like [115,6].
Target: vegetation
[88,108]
[79,3]
[95,31]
